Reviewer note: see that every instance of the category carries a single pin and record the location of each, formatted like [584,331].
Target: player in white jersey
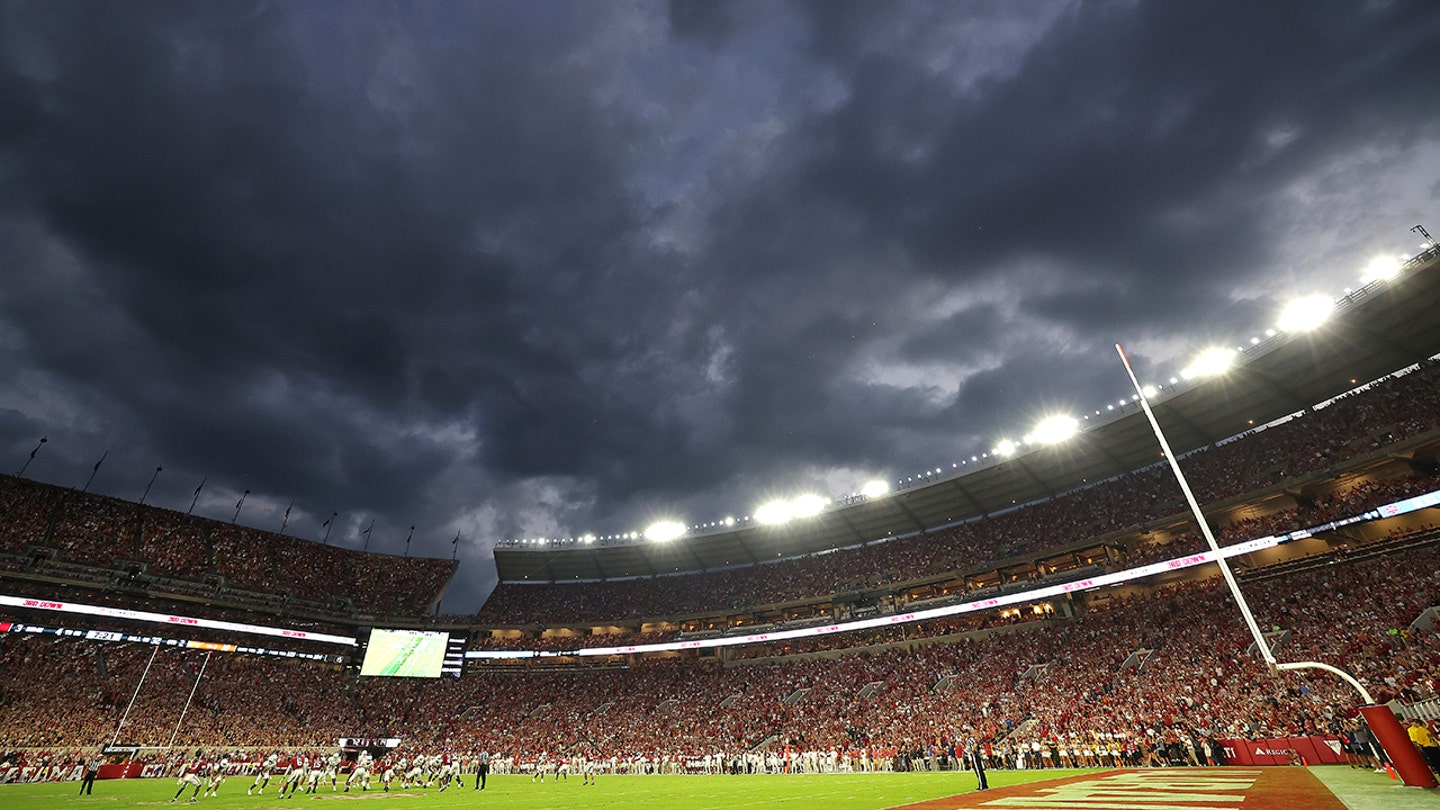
[218,772]
[413,774]
[432,769]
[262,777]
[587,770]
[361,774]
[191,776]
[294,776]
[332,769]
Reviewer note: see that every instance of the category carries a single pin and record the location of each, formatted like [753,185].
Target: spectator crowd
[1048,689]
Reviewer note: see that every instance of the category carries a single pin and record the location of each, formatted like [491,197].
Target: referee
[977,762]
[482,768]
[92,769]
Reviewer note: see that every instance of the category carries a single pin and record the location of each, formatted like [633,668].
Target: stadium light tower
[1306,313]
[773,513]
[1420,229]
[1054,429]
[807,506]
[26,465]
[1208,363]
[663,531]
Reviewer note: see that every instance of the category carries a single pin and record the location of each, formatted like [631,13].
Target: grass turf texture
[1365,790]
[830,791]
[1359,790]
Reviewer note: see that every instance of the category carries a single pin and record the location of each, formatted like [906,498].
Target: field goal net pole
[1382,721]
[188,700]
[126,715]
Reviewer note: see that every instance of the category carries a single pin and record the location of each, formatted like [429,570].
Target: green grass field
[833,792]
[1359,790]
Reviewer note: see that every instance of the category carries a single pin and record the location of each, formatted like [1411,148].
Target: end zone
[1157,789]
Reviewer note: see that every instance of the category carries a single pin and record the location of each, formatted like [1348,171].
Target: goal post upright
[1382,721]
[1260,643]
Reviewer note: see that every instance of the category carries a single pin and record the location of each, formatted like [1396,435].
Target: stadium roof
[1378,329]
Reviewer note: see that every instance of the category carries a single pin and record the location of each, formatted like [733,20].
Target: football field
[831,791]
[1327,788]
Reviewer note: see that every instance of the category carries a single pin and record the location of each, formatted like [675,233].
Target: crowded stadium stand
[62,534]
[1058,606]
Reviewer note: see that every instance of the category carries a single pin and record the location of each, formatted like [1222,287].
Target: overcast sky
[524,269]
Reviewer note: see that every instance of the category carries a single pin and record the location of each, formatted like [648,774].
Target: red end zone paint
[1157,789]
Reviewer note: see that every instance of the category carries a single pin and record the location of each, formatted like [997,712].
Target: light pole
[193,500]
[146,494]
[93,470]
[23,467]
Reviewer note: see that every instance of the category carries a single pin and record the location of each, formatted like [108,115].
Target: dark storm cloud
[549,268]
[1149,119]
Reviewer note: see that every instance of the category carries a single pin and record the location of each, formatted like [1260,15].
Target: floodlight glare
[664,530]
[1380,268]
[807,505]
[874,489]
[1054,429]
[1304,314]
[1209,363]
[773,513]
[1005,448]
[1150,391]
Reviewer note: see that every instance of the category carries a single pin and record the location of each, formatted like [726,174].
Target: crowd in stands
[1059,684]
[101,532]
[1359,423]
[1049,686]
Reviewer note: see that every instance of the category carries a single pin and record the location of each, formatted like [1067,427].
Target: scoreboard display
[393,653]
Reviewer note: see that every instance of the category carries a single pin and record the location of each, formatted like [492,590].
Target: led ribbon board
[161,641]
[1389,510]
[171,620]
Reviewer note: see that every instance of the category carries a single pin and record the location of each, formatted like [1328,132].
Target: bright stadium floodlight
[664,530]
[773,513]
[874,489]
[1054,429]
[807,506]
[1005,448]
[1150,391]
[1209,363]
[1381,268]
[1305,314]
